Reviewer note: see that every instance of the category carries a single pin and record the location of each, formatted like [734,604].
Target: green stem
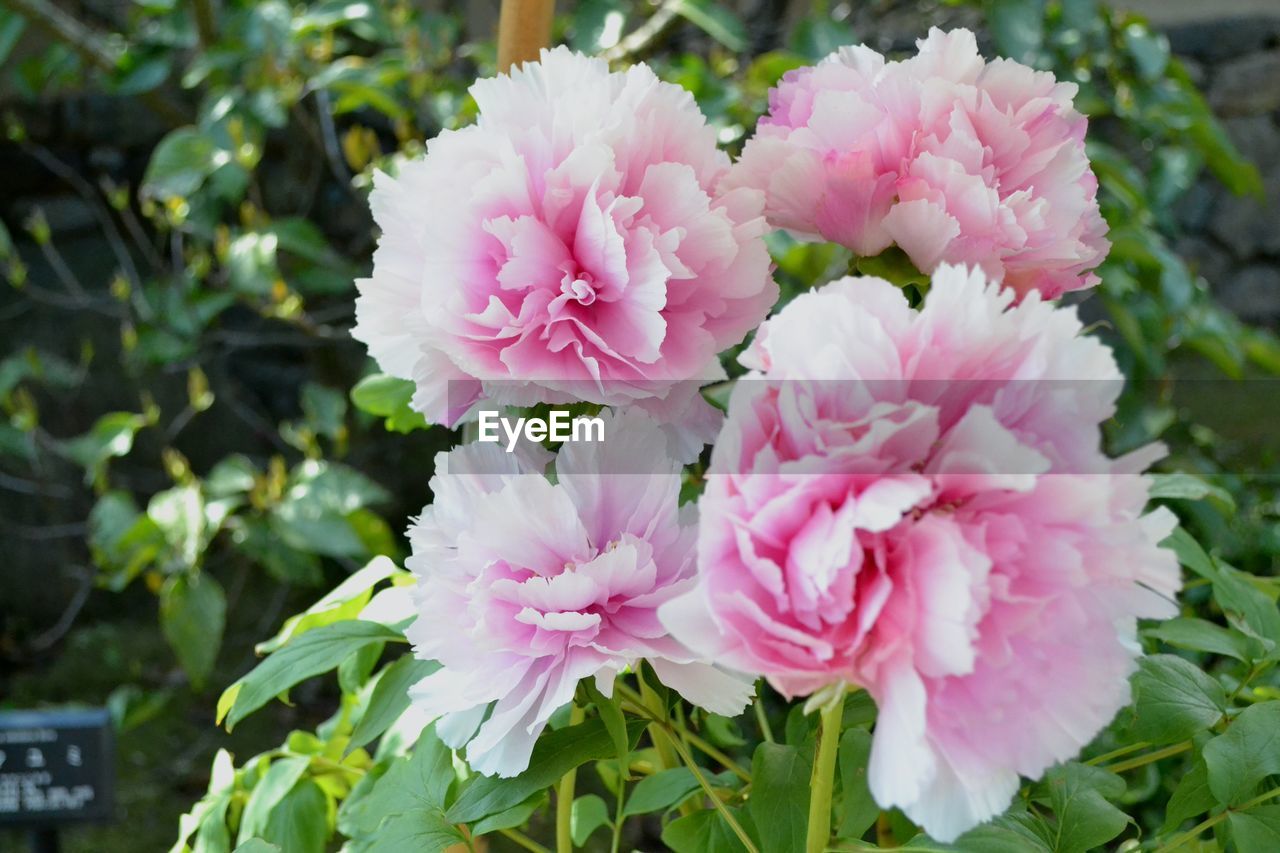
[523,840]
[1118,753]
[715,800]
[763,720]
[823,779]
[564,797]
[1208,823]
[1142,760]
[617,812]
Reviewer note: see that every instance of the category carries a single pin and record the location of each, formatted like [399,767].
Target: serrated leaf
[1174,699]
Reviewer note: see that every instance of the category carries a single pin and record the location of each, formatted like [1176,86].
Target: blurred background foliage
[193,448]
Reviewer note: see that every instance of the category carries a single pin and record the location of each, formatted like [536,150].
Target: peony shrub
[911,553]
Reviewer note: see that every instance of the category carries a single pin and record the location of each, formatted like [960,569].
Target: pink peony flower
[569,245]
[917,502]
[525,587]
[950,158]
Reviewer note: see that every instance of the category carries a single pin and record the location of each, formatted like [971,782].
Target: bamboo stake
[524,28]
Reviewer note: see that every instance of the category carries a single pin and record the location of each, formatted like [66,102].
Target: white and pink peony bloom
[950,158]
[568,245]
[527,587]
[917,502]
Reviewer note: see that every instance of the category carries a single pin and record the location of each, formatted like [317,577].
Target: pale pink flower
[525,587]
[950,158]
[568,245]
[917,502]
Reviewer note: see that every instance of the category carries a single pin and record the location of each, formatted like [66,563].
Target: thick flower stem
[564,797]
[824,771]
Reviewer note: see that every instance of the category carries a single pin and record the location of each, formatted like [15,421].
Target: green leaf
[390,698]
[857,811]
[180,514]
[611,715]
[1246,606]
[312,653]
[251,263]
[416,784]
[1185,632]
[314,514]
[1018,28]
[555,754]
[1257,830]
[257,845]
[1249,750]
[662,790]
[715,20]
[1190,554]
[181,162]
[342,603]
[110,437]
[419,831]
[515,816]
[1192,797]
[1150,51]
[817,36]
[193,614]
[277,782]
[589,814]
[1174,699]
[779,803]
[704,832]
[300,822]
[11,27]
[389,398]
[1083,818]
[1183,486]
[325,409]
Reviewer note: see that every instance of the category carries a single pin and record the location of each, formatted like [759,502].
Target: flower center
[580,287]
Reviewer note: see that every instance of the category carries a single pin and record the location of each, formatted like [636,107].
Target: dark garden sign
[56,767]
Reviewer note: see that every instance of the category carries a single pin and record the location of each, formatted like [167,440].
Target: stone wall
[1233,52]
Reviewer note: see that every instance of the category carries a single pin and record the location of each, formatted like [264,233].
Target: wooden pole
[524,28]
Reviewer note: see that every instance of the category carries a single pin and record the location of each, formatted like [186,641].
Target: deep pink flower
[568,245]
[950,158]
[527,587]
[917,502]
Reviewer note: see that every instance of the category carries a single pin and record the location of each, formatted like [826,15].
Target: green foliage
[246,247]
